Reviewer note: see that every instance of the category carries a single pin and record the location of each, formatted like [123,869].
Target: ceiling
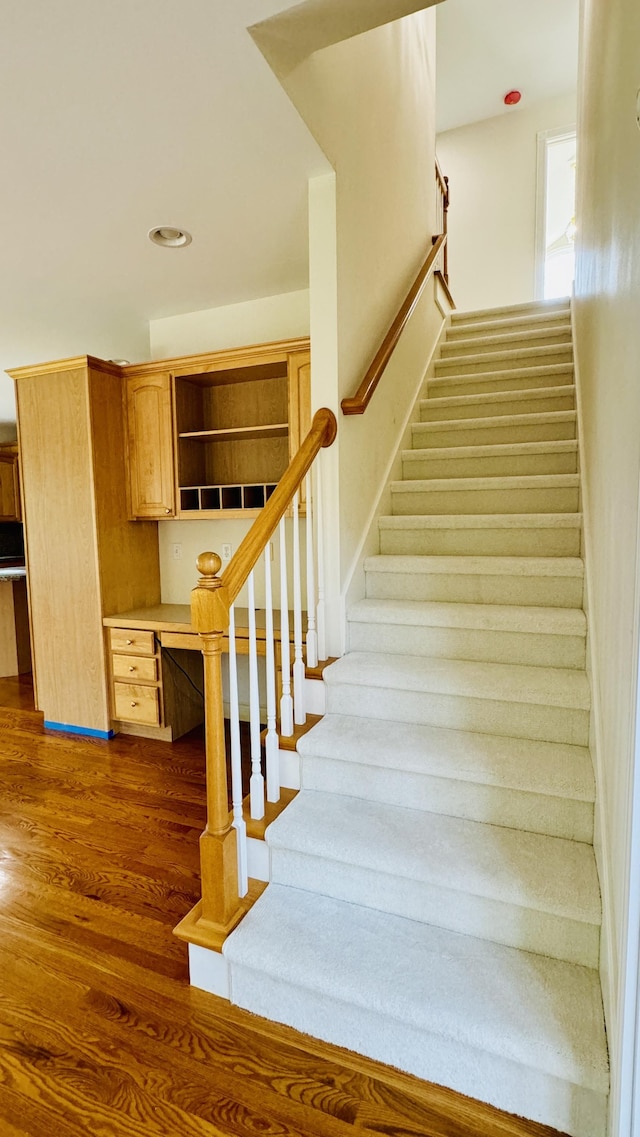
[117,117]
[489,47]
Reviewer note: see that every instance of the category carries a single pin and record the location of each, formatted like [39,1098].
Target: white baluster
[256,784]
[319,520]
[236,760]
[299,713]
[312,636]
[271,746]
[286,701]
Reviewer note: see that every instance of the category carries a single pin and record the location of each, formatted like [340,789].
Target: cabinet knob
[134,704]
[129,642]
[132,669]
[167,510]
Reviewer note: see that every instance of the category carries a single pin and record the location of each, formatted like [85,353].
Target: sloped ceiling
[489,47]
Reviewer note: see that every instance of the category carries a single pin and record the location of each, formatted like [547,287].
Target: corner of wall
[601,842]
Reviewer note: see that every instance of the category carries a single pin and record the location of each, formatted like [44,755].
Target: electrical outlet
[226,552]
[177,551]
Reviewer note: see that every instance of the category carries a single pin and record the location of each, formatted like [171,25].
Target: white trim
[556,134]
[627,1106]
[209,971]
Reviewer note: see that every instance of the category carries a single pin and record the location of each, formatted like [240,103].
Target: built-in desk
[156,667]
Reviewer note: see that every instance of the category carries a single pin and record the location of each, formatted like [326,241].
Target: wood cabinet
[150,445]
[154,692]
[85,558]
[9,487]
[212,434]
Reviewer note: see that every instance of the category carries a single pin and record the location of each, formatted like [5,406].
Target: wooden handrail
[444,185]
[358,403]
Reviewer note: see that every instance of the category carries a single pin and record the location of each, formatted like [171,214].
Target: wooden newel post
[221,908]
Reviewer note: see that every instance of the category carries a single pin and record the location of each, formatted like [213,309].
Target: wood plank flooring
[100,1033]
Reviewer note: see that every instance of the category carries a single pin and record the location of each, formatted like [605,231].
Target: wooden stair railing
[222,904]
[357,404]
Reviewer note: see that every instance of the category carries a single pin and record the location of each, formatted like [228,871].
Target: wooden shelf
[238,433]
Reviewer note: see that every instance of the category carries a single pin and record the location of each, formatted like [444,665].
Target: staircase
[434,900]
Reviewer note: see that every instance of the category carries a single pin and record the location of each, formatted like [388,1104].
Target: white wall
[370,104]
[235,325]
[607,307]
[491,166]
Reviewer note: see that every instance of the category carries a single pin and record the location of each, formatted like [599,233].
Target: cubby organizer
[194,498]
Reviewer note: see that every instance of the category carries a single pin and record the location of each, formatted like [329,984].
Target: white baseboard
[209,971]
[314,696]
[258,859]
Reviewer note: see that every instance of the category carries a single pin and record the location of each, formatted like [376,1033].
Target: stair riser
[501,466]
[465,643]
[487,1077]
[499,360]
[481,542]
[431,411]
[448,502]
[445,388]
[477,344]
[525,312]
[528,591]
[486,918]
[459,712]
[494,805]
[493,434]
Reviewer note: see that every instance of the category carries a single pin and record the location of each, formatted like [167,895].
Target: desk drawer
[132,642]
[136,704]
[134,668]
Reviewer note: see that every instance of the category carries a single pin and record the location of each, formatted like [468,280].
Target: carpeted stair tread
[514,763]
[546,874]
[482,521]
[548,686]
[463,328]
[545,309]
[492,398]
[491,450]
[503,339]
[514,482]
[488,422]
[498,358]
[537,1012]
[486,617]
[465,566]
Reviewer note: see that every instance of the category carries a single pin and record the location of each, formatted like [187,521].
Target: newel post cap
[209,565]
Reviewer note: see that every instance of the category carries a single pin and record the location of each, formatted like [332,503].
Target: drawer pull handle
[132,669]
[134,704]
[129,642]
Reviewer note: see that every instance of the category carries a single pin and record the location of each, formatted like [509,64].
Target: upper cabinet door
[9,489]
[151,446]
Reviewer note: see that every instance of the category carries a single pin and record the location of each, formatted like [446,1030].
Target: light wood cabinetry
[9,485]
[154,682]
[150,445]
[228,423]
[85,559]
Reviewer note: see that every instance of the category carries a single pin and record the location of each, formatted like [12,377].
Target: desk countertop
[160,618]
[177,618]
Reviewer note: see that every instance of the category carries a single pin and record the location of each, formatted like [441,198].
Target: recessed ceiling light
[169,237]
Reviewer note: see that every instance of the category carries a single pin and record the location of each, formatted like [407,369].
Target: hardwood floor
[100,1034]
